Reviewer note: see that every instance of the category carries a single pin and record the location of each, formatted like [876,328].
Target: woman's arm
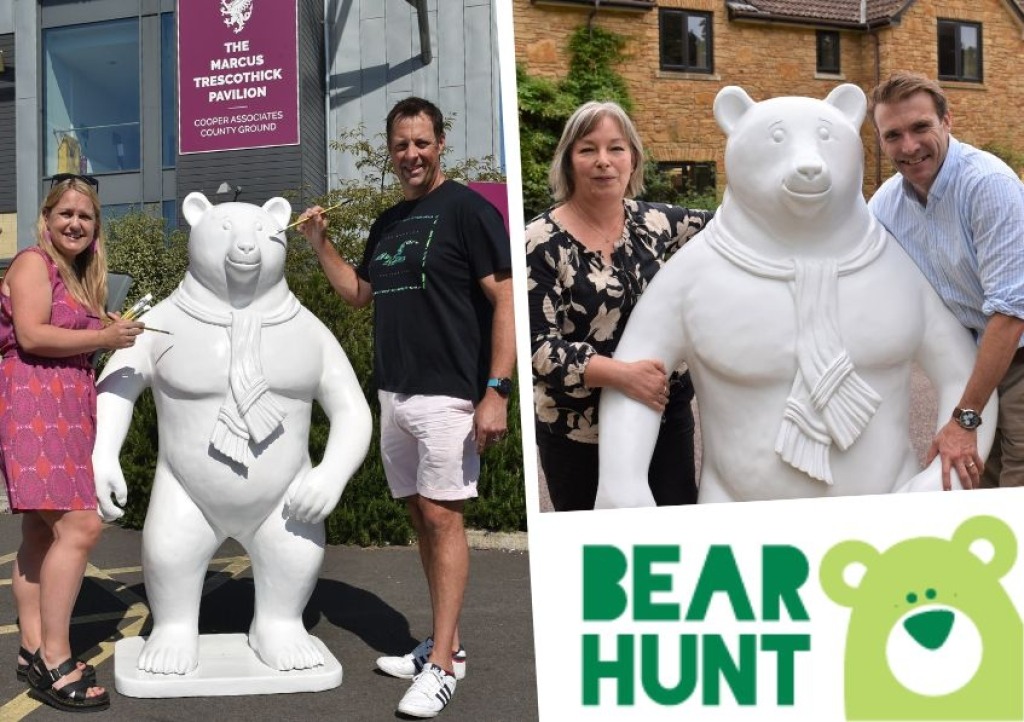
[31,299]
[569,365]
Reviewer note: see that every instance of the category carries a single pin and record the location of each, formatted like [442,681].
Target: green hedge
[366,515]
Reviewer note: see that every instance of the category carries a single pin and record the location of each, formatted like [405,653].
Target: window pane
[168,91]
[697,38]
[970,49]
[947,50]
[828,52]
[91,97]
[672,38]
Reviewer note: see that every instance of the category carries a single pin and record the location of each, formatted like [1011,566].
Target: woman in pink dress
[51,320]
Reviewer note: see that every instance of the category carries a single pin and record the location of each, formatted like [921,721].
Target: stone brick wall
[673,111]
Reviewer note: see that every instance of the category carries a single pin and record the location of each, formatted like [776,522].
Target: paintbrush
[304,218]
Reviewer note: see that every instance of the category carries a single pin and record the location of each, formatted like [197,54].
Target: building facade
[682,52]
[91,86]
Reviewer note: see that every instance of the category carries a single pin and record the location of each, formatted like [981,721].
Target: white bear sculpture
[798,316]
[234,383]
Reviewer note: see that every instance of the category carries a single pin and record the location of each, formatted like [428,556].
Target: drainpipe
[878,79]
[592,15]
[424,23]
[873,32]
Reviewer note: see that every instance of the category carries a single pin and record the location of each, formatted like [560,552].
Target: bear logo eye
[226,225]
[912,598]
[823,133]
[930,593]
[778,135]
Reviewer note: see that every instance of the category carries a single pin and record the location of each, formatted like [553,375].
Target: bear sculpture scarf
[828,402]
[249,413]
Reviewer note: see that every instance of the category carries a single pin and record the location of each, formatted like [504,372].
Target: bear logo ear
[997,534]
[835,564]
[850,101]
[280,210]
[731,103]
[194,206]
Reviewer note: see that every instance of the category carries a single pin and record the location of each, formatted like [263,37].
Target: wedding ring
[970,464]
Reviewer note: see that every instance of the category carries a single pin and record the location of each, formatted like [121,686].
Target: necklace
[610,241]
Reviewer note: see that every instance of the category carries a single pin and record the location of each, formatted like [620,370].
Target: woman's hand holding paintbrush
[137,309]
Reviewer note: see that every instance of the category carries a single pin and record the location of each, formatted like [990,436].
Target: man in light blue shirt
[959,213]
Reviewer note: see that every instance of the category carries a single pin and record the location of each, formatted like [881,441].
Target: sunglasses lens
[61,177]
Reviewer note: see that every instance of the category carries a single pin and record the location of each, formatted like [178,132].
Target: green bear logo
[933,635]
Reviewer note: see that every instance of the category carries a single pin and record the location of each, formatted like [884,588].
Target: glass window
[828,52]
[168,90]
[960,51]
[690,178]
[91,97]
[686,41]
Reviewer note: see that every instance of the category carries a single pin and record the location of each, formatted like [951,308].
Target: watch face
[969,419]
[502,386]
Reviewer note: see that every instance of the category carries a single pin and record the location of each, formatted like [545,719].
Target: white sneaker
[431,691]
[409,665]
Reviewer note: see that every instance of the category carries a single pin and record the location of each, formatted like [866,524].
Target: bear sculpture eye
[259,227]
[778,135]
[226,225]
[823,133]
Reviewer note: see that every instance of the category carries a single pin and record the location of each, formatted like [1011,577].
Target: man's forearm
[503,331]
[998,345]
[341,275]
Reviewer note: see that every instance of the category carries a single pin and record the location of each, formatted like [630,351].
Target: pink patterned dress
[47,412]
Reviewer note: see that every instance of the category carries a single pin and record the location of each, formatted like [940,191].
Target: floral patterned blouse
[579,304]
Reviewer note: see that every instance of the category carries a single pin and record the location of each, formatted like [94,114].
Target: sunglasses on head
[61,177]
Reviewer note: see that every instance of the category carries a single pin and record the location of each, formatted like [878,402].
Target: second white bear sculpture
[234,385]
[799,317]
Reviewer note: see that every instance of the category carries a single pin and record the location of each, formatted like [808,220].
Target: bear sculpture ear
[850,101]
[280,210]
[835,564]
[194,206]
[731,103]
[997,534]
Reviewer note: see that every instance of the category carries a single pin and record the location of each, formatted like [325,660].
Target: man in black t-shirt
[437,267]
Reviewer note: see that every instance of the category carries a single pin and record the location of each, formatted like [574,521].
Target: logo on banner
[932,632]
[236,13]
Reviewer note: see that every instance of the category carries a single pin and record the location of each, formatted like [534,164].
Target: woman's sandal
[72,697]
[88,671]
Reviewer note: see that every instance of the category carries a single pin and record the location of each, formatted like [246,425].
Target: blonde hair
[86,277]
[583,121]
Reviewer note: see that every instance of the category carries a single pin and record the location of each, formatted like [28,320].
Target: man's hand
[958,449]
[490,420]
[314,227]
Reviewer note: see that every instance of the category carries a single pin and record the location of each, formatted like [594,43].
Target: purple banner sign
[496,193]
[238,80]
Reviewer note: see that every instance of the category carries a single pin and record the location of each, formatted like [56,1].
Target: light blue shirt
[969,238]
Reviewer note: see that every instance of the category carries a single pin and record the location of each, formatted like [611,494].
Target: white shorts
[427,446]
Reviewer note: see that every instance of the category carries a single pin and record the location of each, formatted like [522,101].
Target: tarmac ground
[368,603]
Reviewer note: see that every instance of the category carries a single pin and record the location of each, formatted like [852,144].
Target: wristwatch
[967,418]
[503,386]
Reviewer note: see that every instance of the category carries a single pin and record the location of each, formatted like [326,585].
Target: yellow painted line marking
[136,614]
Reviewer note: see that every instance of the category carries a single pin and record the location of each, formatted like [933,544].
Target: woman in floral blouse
[589,258]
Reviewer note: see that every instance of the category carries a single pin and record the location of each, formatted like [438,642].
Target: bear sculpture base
[227,668]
